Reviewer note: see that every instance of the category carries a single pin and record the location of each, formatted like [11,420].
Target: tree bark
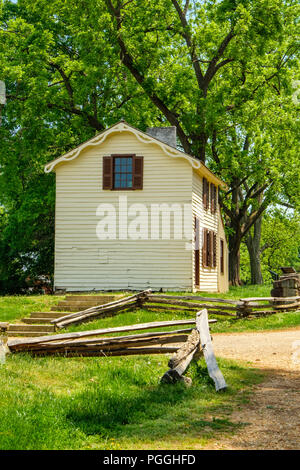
[253,246]
[234,261]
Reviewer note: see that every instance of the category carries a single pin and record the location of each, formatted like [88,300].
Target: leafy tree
[222,72]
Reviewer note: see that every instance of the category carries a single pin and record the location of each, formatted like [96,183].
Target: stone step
[28,334]
[51,315]
[77,303]
[69,310]
[33,328]
[38,321]
[99,299]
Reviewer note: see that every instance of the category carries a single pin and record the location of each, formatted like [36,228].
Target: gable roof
[123,126]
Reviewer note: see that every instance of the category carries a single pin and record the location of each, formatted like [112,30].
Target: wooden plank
[100,340]
[119,352]
[192,309]
[194,297]
[109,346]
[270,299]
[288,269]
[82,334]
[105,312]
[198,305]
[206,344]
[4,350]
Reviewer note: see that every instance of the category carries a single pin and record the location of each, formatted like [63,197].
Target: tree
[221,72]
[213,70]
[63,85]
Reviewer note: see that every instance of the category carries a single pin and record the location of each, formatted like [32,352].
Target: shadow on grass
[153,412]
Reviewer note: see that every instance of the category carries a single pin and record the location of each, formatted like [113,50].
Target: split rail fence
[255,306]
[186,344]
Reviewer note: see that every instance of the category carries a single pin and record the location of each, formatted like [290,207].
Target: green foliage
[223,76]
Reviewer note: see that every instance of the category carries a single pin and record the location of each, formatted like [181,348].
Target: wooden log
[270,299]
[102,306]
[118,352]
[4,326]
[4,350]
[206,344]
[192,309]
[110,346]
[117,339]
[176,374]
[154,300]
[107,311]
[193,297]
[28,342]
[192,342]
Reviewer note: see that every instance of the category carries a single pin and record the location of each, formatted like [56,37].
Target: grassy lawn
[15,307]
[118,403]
[114,403]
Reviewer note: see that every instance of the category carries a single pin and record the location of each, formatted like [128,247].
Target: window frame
[114,157]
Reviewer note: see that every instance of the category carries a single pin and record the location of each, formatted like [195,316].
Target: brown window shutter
[222,256]
[204,249]
[205,193]
[137,169]
[214,265]
[107,173]
[209,248]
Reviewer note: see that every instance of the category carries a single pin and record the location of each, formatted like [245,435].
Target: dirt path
[273,414]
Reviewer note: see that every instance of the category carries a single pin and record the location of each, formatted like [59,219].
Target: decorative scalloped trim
[121,127]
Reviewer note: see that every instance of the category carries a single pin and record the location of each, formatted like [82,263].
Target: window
[121,172]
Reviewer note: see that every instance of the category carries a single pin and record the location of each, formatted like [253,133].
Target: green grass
[118,403]
[15,307]
[114,403]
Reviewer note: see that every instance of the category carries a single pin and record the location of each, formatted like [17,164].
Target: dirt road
[273,414]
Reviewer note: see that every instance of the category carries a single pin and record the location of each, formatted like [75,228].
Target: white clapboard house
[134,212]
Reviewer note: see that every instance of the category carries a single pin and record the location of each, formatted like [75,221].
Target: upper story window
[122,172]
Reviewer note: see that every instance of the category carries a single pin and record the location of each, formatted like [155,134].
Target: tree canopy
[222,72]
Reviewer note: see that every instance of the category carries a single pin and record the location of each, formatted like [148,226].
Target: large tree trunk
[253,245]
[234,260]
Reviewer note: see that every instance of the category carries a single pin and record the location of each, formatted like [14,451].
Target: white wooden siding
[208,276]
[82,261]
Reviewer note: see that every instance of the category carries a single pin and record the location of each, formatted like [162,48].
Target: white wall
[82,261]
